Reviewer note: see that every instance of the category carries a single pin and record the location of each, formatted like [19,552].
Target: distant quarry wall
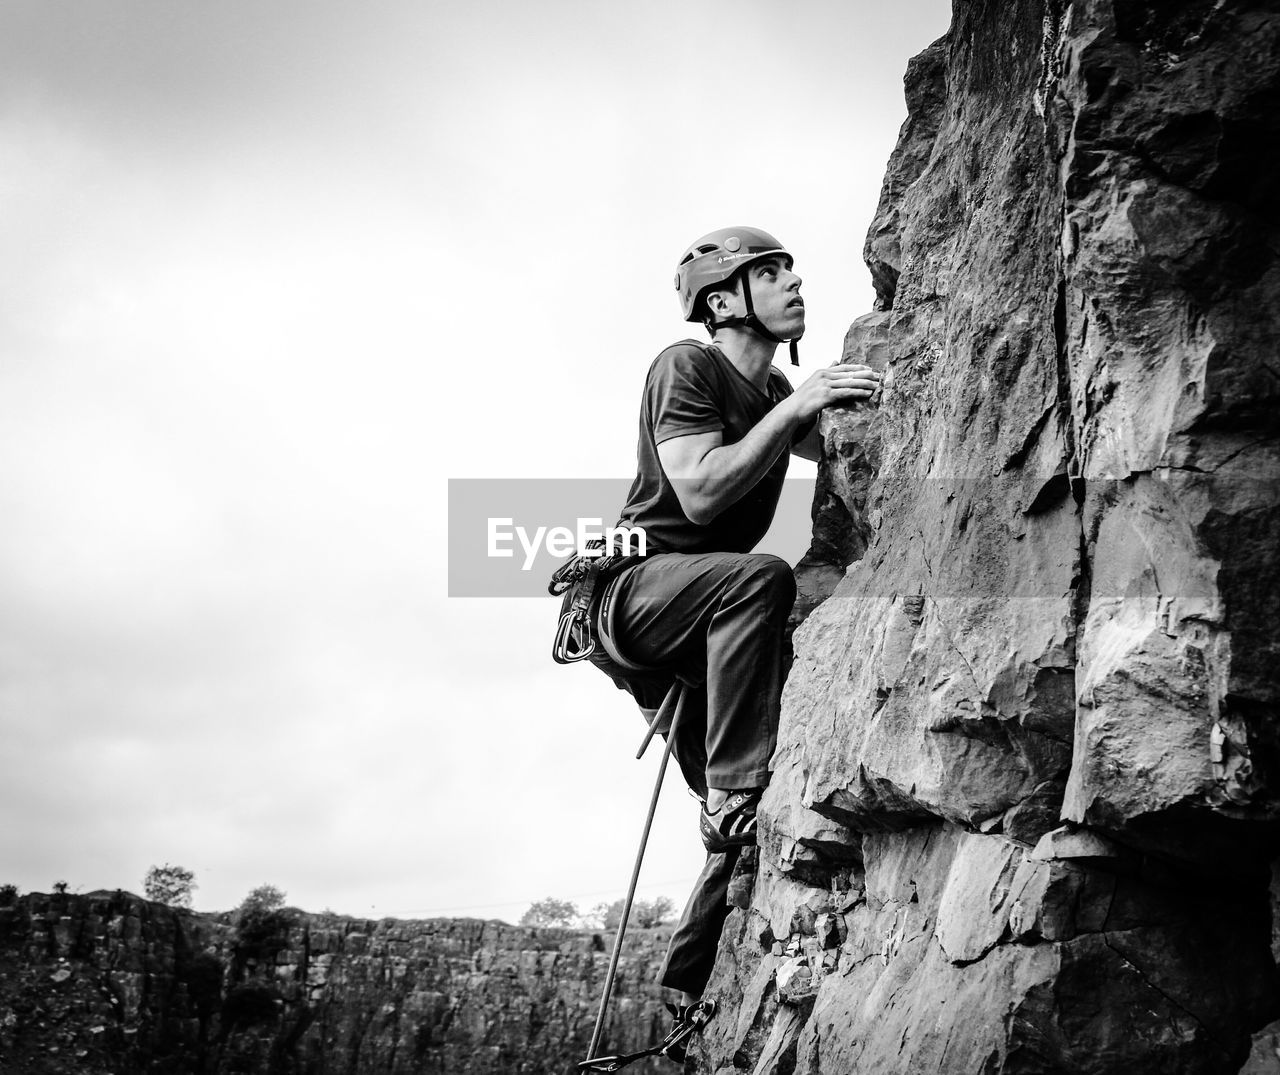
[1026,795]
[110,984]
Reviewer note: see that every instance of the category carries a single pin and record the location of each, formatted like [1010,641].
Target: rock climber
[717,422]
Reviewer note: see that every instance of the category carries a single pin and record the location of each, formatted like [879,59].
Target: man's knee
[772,575]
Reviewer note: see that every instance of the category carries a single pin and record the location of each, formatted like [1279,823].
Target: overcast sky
[271,273]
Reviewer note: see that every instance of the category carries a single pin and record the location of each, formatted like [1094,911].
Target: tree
[8,895]
[262,923]
[60,887]
[170,885]
[644,913]
[650,913]
[262,900]
[551,912]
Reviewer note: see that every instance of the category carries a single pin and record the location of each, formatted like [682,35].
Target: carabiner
[568,646]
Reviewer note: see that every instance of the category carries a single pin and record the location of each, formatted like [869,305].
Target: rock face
[109,983]
[1027,789]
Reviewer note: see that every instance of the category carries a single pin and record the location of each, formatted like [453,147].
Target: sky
[271,275]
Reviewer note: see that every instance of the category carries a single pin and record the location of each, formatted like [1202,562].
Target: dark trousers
[692,951]
[722,614]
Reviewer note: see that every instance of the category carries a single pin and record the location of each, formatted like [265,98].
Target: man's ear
[719,301]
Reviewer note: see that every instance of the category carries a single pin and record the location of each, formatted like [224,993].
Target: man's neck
[751,354]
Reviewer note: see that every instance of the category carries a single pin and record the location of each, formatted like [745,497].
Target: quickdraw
[576,567]
[689,1020]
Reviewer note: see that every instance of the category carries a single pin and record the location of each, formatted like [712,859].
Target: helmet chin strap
[752,321]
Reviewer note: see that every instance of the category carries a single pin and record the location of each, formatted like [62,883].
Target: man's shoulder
[684,351]
[690,343]
[685,362]
[685,390]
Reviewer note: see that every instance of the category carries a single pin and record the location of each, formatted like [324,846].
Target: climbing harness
[578,579]
[689,1020]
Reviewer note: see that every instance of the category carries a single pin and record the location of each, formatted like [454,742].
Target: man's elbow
[698,509]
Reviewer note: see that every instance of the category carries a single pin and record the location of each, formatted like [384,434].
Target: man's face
[775,294]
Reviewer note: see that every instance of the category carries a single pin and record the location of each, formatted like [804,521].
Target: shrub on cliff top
[262,900]
[262,922]
[551,912]
[170,885]
[8,895]
[644,913]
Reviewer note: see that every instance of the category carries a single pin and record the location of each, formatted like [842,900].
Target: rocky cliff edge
[1027,786]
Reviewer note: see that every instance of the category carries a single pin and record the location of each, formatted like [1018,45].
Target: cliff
[1026,791]
[110,983]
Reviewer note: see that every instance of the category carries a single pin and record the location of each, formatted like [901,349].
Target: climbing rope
[626,907]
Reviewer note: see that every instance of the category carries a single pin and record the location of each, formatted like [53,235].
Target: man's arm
[709,475]
[810,446]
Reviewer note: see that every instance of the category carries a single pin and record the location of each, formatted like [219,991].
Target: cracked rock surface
[1027,789]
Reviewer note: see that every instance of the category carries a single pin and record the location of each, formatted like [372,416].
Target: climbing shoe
[734,824]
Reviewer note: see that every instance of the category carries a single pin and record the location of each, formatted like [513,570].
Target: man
[716,425]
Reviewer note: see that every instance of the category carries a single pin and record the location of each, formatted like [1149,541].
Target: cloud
[273,274]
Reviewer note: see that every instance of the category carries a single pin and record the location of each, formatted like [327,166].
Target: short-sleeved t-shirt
[693,388]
